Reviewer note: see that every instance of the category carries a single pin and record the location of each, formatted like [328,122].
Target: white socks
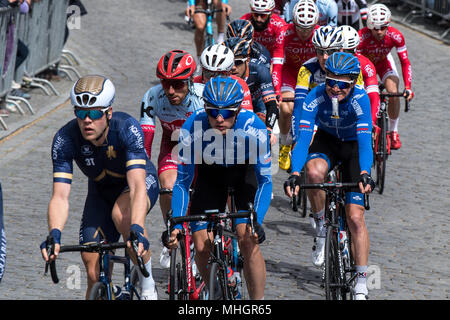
[148,284]
[361,280]
[393,125]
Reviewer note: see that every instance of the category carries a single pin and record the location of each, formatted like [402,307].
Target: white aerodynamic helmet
[328,37]
[378,16]
[262,6]
[351,37]
[92,91]
[217,58]
[305,14]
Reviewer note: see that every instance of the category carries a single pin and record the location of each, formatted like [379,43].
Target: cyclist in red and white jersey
[368,71]
[269,31]
[172,101]
[377,41]
[219,60]
[298,48]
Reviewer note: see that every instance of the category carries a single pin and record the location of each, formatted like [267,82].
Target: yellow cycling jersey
[311,75]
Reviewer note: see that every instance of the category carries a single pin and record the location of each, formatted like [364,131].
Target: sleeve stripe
[136,162]
[62,175]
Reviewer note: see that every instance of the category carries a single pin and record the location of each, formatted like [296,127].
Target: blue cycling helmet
[343,63]
[223,92]
[239,46]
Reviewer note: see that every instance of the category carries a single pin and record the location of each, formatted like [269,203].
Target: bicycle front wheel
[333,266]
[178,287]
[217,283]
[99,291]
[381,154]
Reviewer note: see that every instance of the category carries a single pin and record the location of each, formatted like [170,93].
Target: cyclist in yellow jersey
[326,40]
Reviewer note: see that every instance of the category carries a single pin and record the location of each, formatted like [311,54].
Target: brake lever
[135,244]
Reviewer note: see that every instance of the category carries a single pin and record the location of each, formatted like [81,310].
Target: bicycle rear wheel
[381,154]
[99,291]
[333,266]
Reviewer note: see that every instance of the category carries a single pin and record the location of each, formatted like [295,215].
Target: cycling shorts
[288,80]
[386,68]
[334,150]
[211,190]
[166,159]
[96,222]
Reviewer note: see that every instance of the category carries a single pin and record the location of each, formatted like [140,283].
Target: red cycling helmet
[176,65]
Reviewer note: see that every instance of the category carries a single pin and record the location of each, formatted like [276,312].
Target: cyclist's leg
[355,216]
[96,224]
[200,25]
[121,215]
[245,185]
[220,20]
[209,193]
[285,118]
[167,173]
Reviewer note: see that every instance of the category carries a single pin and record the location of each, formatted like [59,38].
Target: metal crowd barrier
[8,48]
[424,8]
[42,30]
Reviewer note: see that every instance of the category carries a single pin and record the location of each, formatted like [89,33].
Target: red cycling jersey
[377,51]
[247,102]
[272,38]
[370,84]
[296,52]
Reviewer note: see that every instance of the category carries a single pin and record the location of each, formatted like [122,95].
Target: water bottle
[343,244]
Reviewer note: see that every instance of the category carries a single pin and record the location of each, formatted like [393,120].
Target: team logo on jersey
[86,150]
[111,153]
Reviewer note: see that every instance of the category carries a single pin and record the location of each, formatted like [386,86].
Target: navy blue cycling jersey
[260,55]
[354,123]
[259,82]
[246,143]
[106,165]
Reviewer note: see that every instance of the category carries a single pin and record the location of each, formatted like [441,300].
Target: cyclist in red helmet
[172,101]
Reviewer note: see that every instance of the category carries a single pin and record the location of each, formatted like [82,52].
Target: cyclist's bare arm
[58,210]
[138,199]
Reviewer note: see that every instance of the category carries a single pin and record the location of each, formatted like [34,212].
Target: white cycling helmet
[305,14]
[217,58]
[262,6]
[328,37]
[378,16]
[351,37]
[92,91]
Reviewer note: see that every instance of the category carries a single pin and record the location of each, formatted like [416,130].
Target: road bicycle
[225,263]
[339,268]
[209,12]
[381,138]
[104,289]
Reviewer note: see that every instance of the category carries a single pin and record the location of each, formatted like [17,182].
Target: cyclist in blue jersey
[226,146]
[341,110]
[122,183]
[328,11]
[259,81]
[200,21]
[244,29]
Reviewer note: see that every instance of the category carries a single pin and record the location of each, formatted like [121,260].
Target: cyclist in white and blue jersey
[328,11]
[226,146]
[341,110]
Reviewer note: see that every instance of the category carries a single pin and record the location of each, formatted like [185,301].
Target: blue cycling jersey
[354,123]
[328,11]
[246,143]
[259,82]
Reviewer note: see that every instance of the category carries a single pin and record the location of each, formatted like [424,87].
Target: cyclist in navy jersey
[341,110]
[122,183]
[243,164]
[259,81]
[244,29]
